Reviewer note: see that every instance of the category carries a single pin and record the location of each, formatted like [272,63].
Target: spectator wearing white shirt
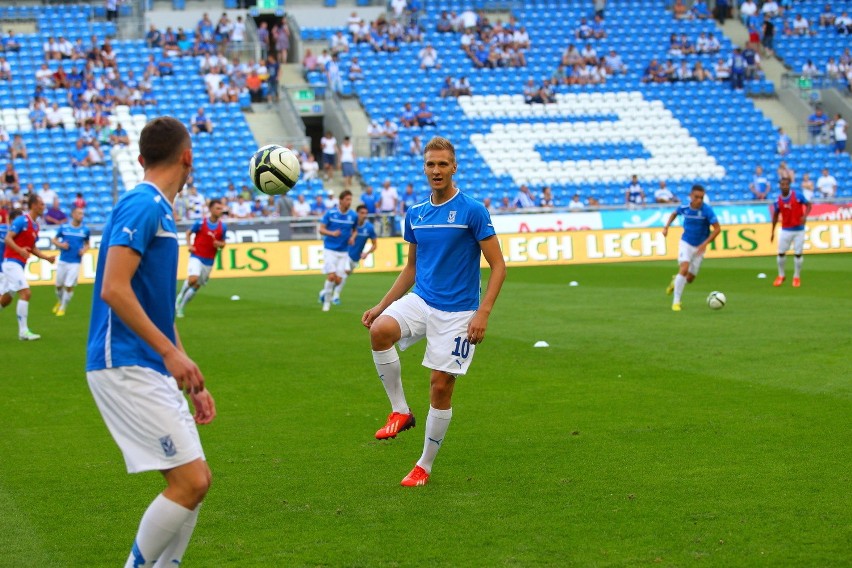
[301,208]
[468,19]
[770,9]
[747,10]
[576,204]
[398,7]
[5,70]
[44,77]
[521,38]
[51,51]
[663,194]
[809,69]
[840,134]
[53,117]
[339,43]
[65,47]
[388,198]
[241,209]
[801,26]
[330,154]
[238,30]
[376,134]
[429,58]
[826,185]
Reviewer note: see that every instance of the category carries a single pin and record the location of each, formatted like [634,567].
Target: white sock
[781,260]
[187,296]
[173,554]
[160,524]
[66,297]
[182,292]
[680,283]
[59,293]
[436,428]
[339,287]
[328,290]
[390,372]
[797,266]
[23,310]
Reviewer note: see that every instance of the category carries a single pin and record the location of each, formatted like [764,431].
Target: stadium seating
[587,150]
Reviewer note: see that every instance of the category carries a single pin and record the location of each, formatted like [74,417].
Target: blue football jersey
[4,230]
[333,220]
[364,233]
[142,220]
[448,252]
[696,223]
[76,237]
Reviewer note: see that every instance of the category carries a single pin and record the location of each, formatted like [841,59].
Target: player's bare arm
[121,265]
[717,228]
[401,285]
[190,240]
[775,214]
[374,244]
[494,257]
[60,244]
[672,217]
[38,254]
[202,402]
[326,232]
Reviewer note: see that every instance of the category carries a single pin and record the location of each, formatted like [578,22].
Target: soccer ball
[716,300]
[274,169]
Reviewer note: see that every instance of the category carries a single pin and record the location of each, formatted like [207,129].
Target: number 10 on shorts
[462,348]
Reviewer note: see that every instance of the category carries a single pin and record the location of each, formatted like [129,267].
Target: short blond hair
[440,143]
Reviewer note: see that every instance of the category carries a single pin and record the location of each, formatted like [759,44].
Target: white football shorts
[4,287]
[16,279]
[335,262]
[199,269]
[67,274]
[148,417]
[353,264]
[447,347]
[796,239]
[689,253]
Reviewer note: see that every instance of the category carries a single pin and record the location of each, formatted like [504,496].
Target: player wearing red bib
[205,239]
[20,244]
[793,209]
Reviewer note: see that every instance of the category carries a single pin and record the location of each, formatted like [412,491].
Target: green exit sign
[304,95]
[267,4]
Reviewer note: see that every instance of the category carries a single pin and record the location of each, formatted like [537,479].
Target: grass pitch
[639,437]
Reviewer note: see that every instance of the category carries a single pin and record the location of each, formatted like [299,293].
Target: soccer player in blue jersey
[446,235]
[698,220]
[364,231]
[337,227]
[136,365]
[72,239]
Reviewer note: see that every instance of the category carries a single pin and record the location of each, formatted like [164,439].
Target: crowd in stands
[487,45]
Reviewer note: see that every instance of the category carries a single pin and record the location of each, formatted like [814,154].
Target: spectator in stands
[634,196]
[415,147]
[348,162]
[700,11]
[257,208]
[11,181]
[816,126]
[51,49]
[4,141]
[38,118]
[376,135]
[809,70]
[700,74]
[413,32]
[395,32]
[237,32]
[614,64]
[5,70]
[444,24]
[448,88]
[839,128]
[843,24]
[153,38]
[301,208]
[429,58]
[576,203]
[407,200]
[241,209]
[506,205]
[669,71]
[783,143]
[663,194]
[462,86]
[721,70]
[330,154]
[18,148]
[53,117]
[408,116]
[339,43]
[770,9]
[369,199]
[281,36]
[309,61]
[79,201]
[832,69]
[748,10]
[332,73]
[807,186]
[524,199]
[310,169]
[390,133]
[684,73]
[680,11]
[826,185]
[388,198]
[759,186]
[801,26]
[201,123]
[425,116]
[10,43]
[44,76]
[546,200]
[80,155]
[54,214]
[119,136]
[738,65]
[66,48]
[583,30]
[109,58]
[754,70]
[785,171]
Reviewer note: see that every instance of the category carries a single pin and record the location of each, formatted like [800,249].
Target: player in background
[72,239]
[793,210]
[20,242]
[447,233]
[135,364]
[364,231]
[698,220]
[205,238]
[5,293]
[337,227]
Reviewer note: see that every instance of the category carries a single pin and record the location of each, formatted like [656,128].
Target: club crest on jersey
[451,218]
[168,446]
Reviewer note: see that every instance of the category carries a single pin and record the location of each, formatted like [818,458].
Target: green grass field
[639,437]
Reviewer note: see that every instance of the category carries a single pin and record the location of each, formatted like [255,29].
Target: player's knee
[690,277]
[384,332]
[24,294]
